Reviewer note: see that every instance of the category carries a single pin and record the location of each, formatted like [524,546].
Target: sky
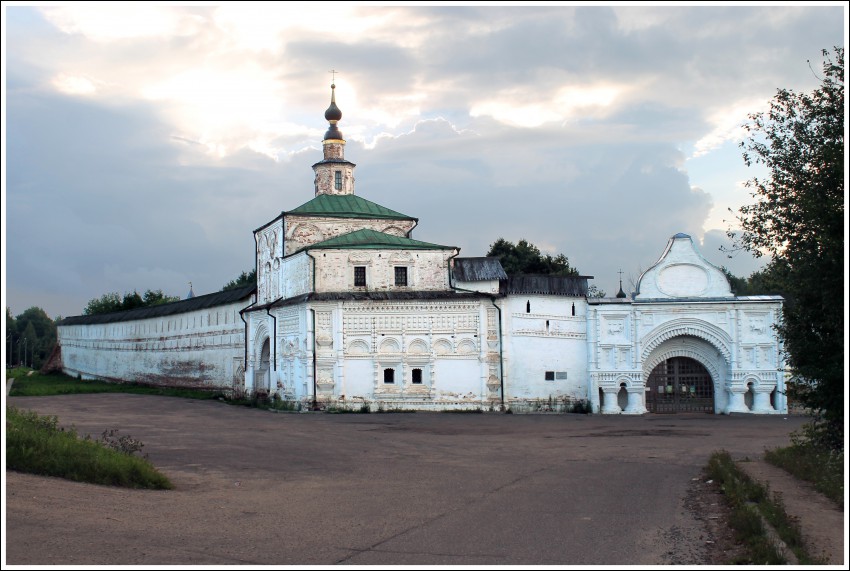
[144,144]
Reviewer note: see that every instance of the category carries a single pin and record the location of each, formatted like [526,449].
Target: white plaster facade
[201,348]
[684,308]
[349,310]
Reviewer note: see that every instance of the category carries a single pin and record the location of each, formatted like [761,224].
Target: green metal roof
[346,206]
[372,239]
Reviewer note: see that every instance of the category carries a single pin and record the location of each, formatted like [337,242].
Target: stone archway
[262,376]
[686,373]
[680,384]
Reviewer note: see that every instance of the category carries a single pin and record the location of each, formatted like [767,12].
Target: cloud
[144,144]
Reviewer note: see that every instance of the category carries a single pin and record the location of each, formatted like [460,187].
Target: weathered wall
[303,231]
[452,342]
[483,286]
[426,270]
[545,334]
[269,254]
[201,348]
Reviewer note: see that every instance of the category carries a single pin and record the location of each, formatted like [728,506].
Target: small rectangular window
[561,375]
[417,376]
[389,376]
[550,375]
[401,276]
[338,180]
[359,276]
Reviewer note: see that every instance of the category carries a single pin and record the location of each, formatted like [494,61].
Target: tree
[761,282]
[594,292]
[109,302]
[11,336]
[797,220]
[35,331]
[525,258]
[244,279]
[158,298]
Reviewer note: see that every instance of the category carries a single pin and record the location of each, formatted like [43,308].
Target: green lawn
[28,383]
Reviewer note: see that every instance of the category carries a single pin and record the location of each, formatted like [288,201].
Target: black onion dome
[333,114]
[333,132]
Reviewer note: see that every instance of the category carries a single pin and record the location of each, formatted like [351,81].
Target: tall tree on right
[798,221]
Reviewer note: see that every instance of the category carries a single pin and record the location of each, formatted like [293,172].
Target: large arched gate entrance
[680,384]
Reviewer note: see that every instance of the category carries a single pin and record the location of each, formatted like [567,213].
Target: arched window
[528,307]
[574,309]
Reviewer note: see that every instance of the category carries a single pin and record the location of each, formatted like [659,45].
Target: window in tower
[401,276]
[338,180]
[359,276]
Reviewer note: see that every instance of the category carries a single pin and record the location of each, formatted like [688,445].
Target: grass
[823,468]
[37,385]
[37,445]
[752,503]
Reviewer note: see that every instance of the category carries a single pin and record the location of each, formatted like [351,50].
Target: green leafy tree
[35,331]
[762,282]
[157,298]
[11,336]
[132,301]
[109,302]
[244,279]
[594,291]
[798,221]
[526,258]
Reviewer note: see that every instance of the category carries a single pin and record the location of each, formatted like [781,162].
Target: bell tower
[334,174]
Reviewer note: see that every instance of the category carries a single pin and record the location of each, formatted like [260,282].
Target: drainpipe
[415,224]
[274,333]
[313,317]
[256,299]
[501,355]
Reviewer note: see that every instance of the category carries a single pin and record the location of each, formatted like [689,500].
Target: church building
[350,310]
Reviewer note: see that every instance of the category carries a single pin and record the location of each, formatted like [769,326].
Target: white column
[635,405]
[736,400]
[761,400]
[609,400]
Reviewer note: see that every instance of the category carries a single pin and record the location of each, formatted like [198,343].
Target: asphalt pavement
[264,488]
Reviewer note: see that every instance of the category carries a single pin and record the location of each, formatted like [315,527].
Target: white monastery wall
[203,348]
[545,349]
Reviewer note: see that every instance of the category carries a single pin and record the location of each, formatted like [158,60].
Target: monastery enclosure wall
[202,348]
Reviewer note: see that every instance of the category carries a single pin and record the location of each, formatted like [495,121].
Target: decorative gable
[682,273]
